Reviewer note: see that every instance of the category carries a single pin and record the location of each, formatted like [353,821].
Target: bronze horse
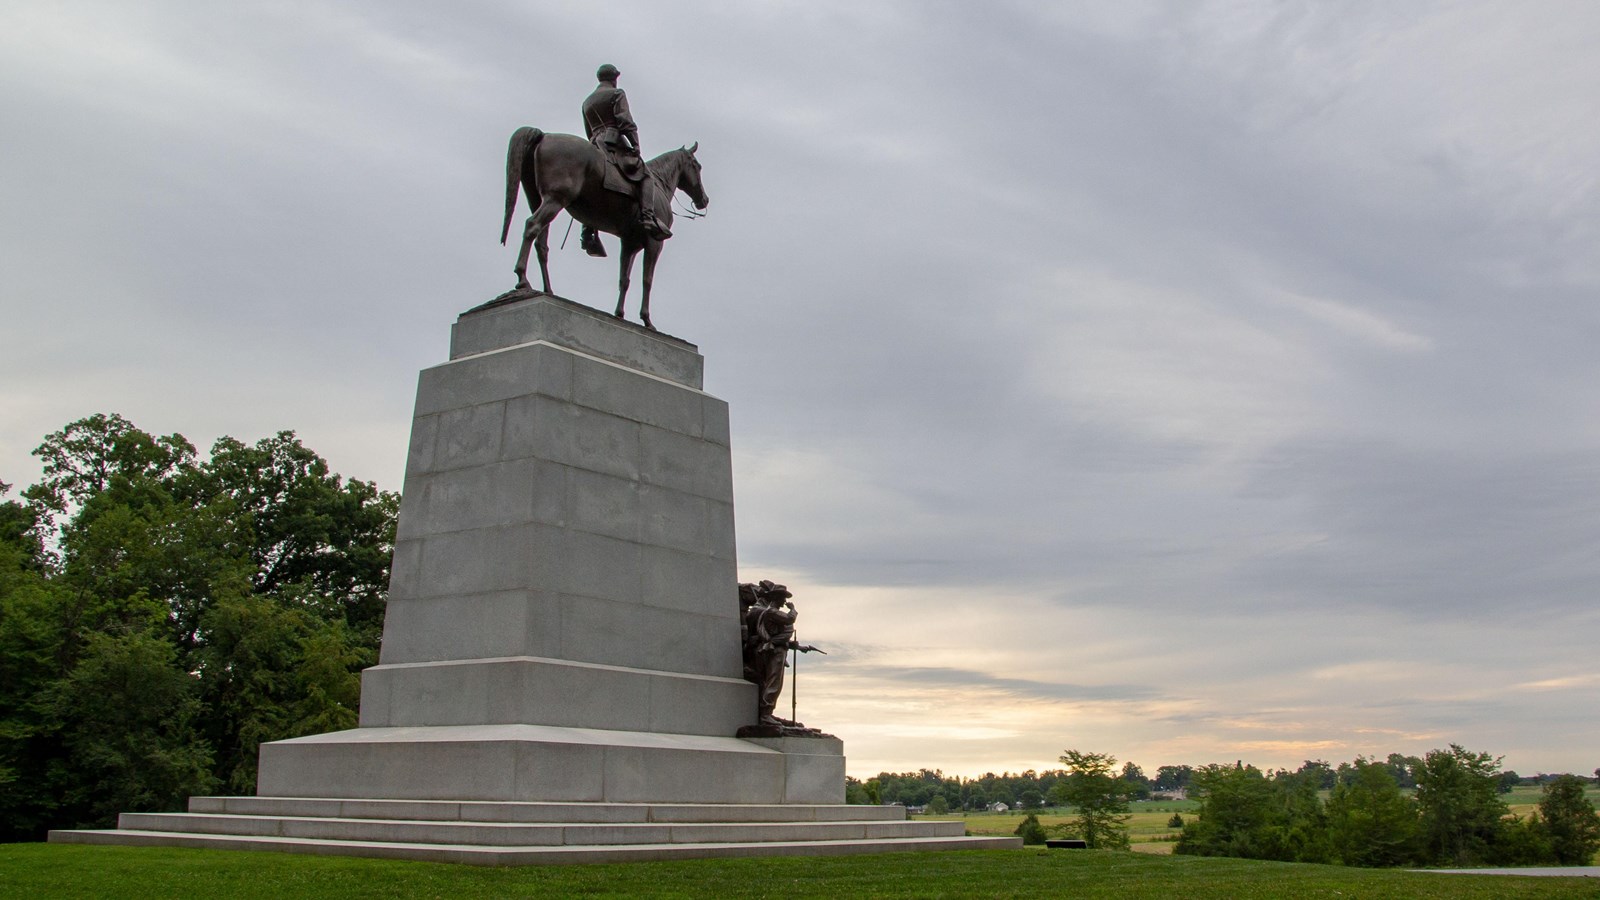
[564,171]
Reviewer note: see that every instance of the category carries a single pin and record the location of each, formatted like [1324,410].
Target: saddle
[621,171]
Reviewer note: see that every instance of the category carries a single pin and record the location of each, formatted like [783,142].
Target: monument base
[550,763]
[560,671]
[503,834]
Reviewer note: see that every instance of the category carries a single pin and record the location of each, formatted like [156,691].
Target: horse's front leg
[652,252]
[625,264]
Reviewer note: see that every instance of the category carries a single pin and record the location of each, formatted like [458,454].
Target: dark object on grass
[1067,844]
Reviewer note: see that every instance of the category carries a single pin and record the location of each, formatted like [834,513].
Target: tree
[1570,821]
[162,614]
[1370,821]
[1404,768]
[1458,793]
[1173,778]
[1098,796]
[1320,772]
[1031,799]
[1031,831]
[1138,784]
[1244,814]
[938,806]
[1304,821]
[127,719]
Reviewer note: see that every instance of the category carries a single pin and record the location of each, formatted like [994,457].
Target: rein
[672,191]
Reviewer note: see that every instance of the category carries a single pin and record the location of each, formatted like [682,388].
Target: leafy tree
[1236,811]
[1404,768]
[1304,821]
[1098,796]
[1459,795]
[1243,813]
[938,805]
[311,530]
[1138,784]
[127,719]
[162,614]
[1176,821]
[1031,831]
[1322,774]
[1570,821]
[1032,799]
[1172,778]
[1370,821]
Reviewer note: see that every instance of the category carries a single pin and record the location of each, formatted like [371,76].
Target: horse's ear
[694,148]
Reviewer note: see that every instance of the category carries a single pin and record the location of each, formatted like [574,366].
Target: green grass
[47,871]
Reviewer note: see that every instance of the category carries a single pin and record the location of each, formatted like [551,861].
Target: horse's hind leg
[534,231]
[542,245]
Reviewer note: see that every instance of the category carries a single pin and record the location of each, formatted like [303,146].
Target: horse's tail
[523,140]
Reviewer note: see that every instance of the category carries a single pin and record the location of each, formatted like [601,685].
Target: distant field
[1147,830]
[55,870]
[1525,799]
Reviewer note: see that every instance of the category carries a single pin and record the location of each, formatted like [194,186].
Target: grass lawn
[55,870]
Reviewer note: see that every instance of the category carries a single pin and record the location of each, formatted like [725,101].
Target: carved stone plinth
[561,671]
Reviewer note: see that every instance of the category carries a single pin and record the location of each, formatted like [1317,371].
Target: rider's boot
[653,226]
[589,240]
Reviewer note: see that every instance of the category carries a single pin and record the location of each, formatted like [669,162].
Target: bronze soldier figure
[769,634]
[609,125]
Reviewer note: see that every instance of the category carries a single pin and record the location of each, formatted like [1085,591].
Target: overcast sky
[1185,381]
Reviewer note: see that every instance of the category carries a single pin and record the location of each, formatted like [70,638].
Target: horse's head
[689,178]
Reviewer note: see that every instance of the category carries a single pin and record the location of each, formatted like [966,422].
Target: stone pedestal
[560,679]
[563,610]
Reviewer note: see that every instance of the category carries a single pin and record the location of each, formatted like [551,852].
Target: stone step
[528,834]
[535,811]
[509,856]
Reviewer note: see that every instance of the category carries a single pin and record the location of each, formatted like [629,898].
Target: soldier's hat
[607,72]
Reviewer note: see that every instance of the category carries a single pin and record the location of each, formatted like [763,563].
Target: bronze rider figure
[610,127]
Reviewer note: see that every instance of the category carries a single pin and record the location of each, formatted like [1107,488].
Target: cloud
[1190,382]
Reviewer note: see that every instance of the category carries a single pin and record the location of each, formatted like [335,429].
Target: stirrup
[654,228]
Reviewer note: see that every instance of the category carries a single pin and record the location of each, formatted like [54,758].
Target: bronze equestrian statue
[564,171]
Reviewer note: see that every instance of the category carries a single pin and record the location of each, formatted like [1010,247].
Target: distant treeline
[1444,808]
[162,614]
